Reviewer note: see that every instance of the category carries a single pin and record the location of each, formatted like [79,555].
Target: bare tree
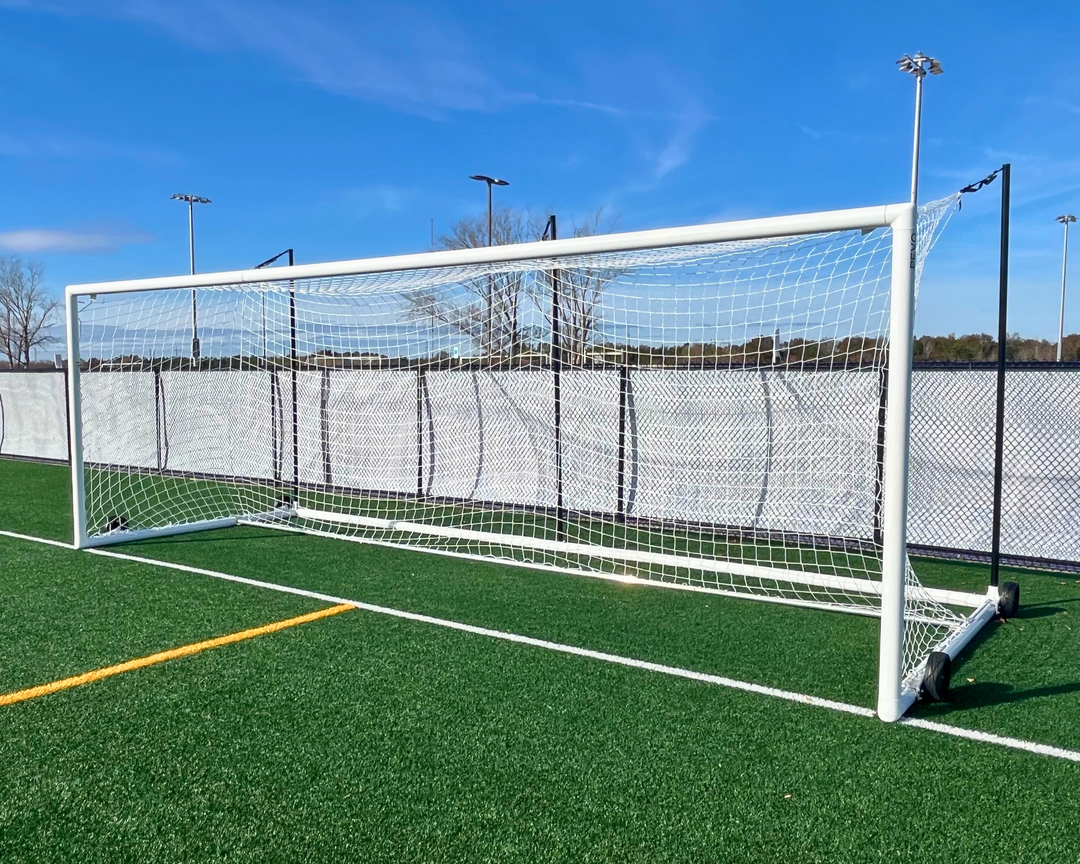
[27,312]
[579,292]
[489,310]
[493,307]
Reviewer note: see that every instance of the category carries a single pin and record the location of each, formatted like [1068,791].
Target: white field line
[716,680]
[15,536]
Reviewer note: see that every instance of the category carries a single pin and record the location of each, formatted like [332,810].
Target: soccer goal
[721,408]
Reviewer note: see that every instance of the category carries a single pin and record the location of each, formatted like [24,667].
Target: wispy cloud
[382,198]
[74,241]
[1054,102]
[34,144]
[405,58]
[677,149]
[416,61]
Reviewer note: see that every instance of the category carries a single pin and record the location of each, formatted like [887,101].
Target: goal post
[696,408]
[891,695]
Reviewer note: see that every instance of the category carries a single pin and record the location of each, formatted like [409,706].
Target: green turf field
[364,737]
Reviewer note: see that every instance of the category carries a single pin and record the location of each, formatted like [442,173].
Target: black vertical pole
[295,357]
[879,470]
[556,369]
[999,426]
[157,417]
[420,385]
[624,390]
[275,432]
[324,424]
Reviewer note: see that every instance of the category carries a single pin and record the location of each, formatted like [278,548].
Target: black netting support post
[421,384]
[624,390]
[999,425]
[551,233]
[294,356]
[157,421]
[275,426]
[324,425]
[879,452]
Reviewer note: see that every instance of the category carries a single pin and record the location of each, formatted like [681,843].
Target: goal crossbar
[861,218]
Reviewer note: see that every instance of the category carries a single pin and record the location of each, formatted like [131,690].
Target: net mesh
[706,417]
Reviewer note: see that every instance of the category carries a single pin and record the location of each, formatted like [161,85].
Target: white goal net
[707,416]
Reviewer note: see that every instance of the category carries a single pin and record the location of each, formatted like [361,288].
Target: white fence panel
[802,462]
[33,415]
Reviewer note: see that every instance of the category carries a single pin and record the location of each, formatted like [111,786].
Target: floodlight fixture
[920,64]
[191,199]
[491,181]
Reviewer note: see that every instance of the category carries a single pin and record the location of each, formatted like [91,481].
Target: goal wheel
[937,677]
[1009,600]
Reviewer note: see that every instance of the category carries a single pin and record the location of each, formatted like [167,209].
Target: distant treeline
[760,351]
[981,346]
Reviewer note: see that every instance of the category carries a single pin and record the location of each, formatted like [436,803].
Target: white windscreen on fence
[951,452]
[33,415]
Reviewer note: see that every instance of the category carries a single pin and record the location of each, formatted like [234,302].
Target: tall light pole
[192,200]
[1065,219]
[918,66]
[491,181]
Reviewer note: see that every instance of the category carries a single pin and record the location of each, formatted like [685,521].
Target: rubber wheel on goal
[1009,600]
[937,677]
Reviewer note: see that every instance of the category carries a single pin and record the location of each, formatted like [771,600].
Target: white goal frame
[895,694]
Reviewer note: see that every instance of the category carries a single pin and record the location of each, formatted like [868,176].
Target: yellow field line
[171,654]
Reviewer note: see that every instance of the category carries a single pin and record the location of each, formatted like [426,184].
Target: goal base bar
[956,643]
[115,537]
[541,544]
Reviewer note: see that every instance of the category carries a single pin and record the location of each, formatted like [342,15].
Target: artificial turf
[366,738]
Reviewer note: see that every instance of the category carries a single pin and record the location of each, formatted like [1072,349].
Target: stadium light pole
[1065,219]
[491,181]
[918,66]
[192,200]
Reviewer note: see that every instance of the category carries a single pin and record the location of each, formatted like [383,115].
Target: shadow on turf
[1041,610]
[983,693]
[227,535]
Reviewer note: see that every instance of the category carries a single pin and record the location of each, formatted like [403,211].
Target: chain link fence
[952,462]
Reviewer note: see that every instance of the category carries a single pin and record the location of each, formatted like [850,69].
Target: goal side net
[722,408]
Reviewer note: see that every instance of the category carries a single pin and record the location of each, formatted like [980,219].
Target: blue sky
[341,129]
